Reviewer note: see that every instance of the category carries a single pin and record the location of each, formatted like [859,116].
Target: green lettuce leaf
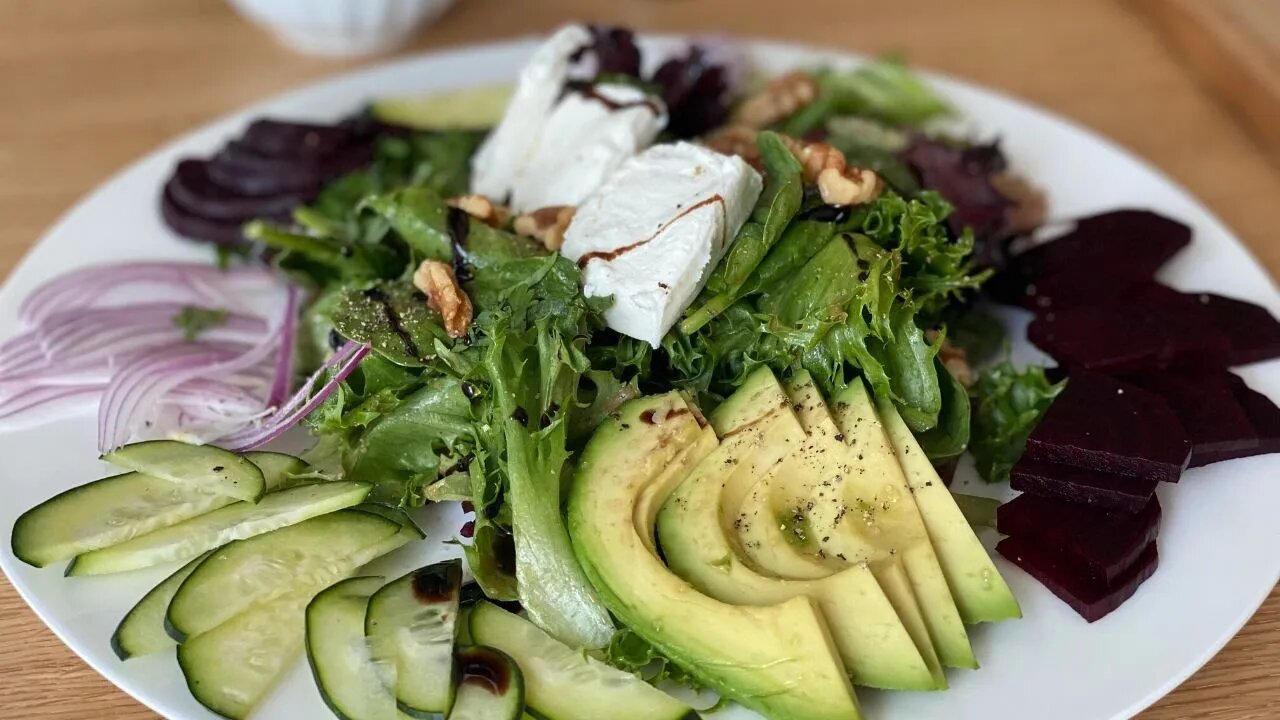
[1009,404]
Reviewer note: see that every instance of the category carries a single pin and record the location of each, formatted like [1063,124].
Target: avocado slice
[778,659]
[876,648]
[980,593]
[879,501]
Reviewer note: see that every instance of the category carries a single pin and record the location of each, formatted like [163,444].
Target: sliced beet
[1103,543]
[241,169]
[193,189]
[1123,243]
[1085,487]
[283,138]
[1252,332]
[186,224]
[1206,405]
[1132,336]
[1100,423]
[1086,595]
[1264,418]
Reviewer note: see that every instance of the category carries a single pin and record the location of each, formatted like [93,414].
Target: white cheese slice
[587,136]
[508,148]
[652,233]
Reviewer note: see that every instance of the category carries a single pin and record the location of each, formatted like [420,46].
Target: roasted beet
[1086,595]
[1123,243]
[282,138]
[1264,419]
[193,190]
[1206,405]
[1103,543]
[186,224]
[961,173]
[1100,423]
[1086,487]
[614,49]
[696,90]
[1131,336]
[1252,332]
[242,169]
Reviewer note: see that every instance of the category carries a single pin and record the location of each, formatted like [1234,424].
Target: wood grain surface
[87,86]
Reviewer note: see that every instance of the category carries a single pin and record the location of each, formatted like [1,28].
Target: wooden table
[87,86]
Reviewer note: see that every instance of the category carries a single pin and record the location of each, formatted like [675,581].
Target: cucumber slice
[103,513]
[206,467]
[466,108]
[490,686]
[351,683]
[233,522]
[141,632]
[312,554]
[561,683]
[231,668]
[279,471]
[412,621]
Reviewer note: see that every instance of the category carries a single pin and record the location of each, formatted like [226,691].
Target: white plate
[1221,529]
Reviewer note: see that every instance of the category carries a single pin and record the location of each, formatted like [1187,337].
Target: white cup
[341,27]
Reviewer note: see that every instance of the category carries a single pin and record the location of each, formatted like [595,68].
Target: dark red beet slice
[1100,423]
[1252,332]
[276,138]
[181,221]
[1124,243]
[1206,405]
[1132,336]
[1264,418]
[192,189]
[239,168]
[1085,487]
[1103,543]
[1086,595]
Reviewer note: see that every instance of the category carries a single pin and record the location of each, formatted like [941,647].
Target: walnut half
[437,281]
[546,225]
[783,96]
[481,208]
[838,182]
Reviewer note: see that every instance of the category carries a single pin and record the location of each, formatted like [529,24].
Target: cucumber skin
[451,572]
[120,458]
[515,677]
[117,643]
[315,671]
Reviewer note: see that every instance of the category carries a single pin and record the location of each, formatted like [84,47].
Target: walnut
[546,225]
[737,140]
[437,281]
[780,98]
[954,359]
[838,182]
[481,208]
[1029,203]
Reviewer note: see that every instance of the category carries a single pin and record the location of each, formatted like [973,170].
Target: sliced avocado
[766,543]
[778,659]
[980,593]
[469,108]
[875,647]
[881,489]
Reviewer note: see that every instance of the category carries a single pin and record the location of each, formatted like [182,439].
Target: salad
[696,352]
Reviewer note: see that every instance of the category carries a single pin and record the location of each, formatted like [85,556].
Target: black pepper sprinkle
[840,437]
[470,390]
[217,468]
[520,416]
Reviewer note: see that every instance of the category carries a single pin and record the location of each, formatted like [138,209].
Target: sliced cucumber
[231,668]
[490,686]
[103,513]
[412,621]
[141,632]
[350,681]
[279,470]
[234,522]
[205,467]
[466,108]
[562,683]
[310,555]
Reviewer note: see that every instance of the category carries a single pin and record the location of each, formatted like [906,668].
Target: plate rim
[752,44]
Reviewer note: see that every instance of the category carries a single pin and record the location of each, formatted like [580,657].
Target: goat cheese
[554,146]
[587,136]
[651,234]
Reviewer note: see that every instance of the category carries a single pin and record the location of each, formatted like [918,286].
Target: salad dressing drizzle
[589,91]
[609,255]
